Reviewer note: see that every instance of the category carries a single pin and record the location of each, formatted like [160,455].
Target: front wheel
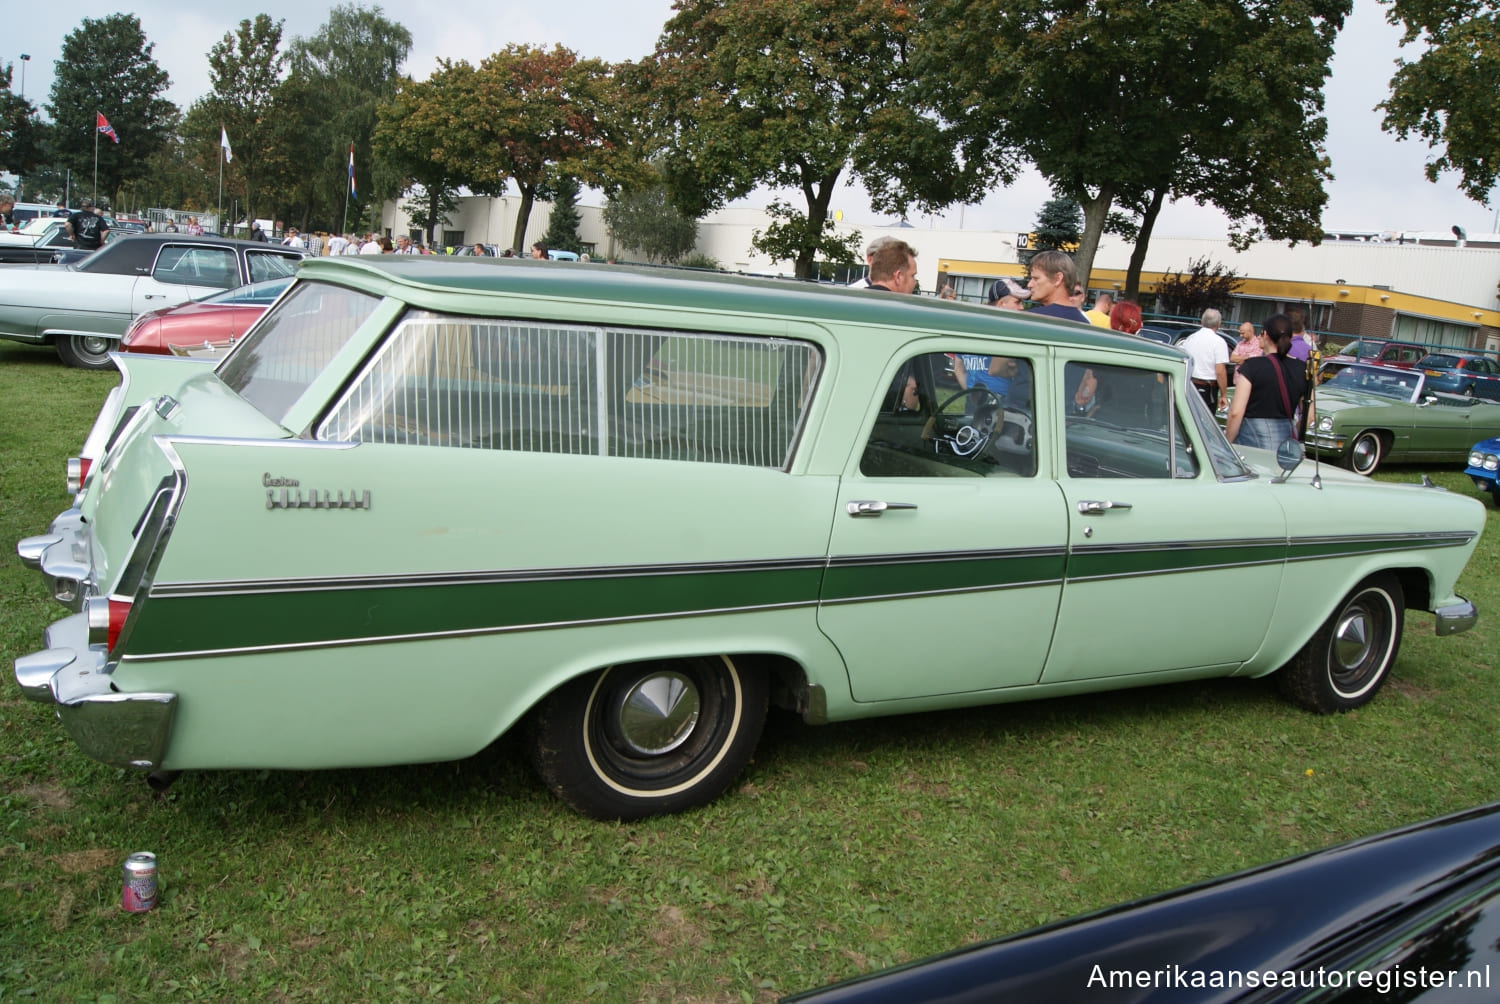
[650,738]
[1365,453]
[86,352]
[1345,663]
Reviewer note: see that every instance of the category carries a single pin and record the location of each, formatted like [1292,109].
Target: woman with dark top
[1267,390]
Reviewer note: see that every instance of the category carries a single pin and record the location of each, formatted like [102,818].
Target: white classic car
[83,309]
[427,500]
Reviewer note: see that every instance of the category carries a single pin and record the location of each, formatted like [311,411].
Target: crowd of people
[1271,373]
[319,243]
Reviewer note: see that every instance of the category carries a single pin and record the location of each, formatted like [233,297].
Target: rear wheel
[1365,453]
[1345,663]
[649,738]
[86,352]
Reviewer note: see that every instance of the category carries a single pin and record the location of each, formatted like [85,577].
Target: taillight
[106,618]
[78,473]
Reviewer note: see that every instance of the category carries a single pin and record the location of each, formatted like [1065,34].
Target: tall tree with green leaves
[1116,101]
[562,223]
[245,69]
[415,133]
[749,93]
[643,219]
[529,116]
[1058,227]
[343,74]
[107,68]
[1448,96]
[22,134]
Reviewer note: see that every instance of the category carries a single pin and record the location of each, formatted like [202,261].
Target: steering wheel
[968,435]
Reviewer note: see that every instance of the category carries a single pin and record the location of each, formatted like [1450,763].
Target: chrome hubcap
[658,713]
[1351,642]
[94,346]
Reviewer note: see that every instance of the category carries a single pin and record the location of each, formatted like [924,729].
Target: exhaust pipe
[161,780]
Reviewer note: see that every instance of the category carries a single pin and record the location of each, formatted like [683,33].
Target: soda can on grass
[138,893]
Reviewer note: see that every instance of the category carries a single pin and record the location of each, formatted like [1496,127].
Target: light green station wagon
[427,501]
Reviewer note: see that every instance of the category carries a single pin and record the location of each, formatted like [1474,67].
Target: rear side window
[270,265]
[491,384]
[197,266]
[292,344]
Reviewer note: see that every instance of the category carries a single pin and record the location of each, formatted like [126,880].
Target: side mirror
[1289,456]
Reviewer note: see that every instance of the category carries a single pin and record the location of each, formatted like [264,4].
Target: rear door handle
[1092,507]
[873,508]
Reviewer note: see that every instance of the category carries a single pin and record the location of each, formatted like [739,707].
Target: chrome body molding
[1456,618]
[124,730]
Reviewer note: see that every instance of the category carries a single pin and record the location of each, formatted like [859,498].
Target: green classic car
[1366,415]
[427,501]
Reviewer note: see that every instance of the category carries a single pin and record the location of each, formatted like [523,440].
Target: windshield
[1225,461]
[281,356]
[1400,385]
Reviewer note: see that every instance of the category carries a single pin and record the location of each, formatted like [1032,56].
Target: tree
[343,74]
[1207,284]
[1449,95]
[745,93]
[245,70]
[416,132]
[1058,227]
[106,67]
[527,115]
[1118,101]
[646,221]
[21,133]
[562,224]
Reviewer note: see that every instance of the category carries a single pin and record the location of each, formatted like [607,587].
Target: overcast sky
[1378,183]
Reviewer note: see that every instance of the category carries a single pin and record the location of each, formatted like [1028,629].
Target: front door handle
[872,508]
[1092,507]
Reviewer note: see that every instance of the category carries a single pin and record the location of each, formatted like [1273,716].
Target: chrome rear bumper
[62,555]
[1456,618]
[124,730]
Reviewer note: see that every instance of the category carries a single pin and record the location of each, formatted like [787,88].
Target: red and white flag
[105,127]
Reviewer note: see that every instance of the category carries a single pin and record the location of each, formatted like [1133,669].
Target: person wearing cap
[863,281]
[1008,294]
[1099,315]
[87,228]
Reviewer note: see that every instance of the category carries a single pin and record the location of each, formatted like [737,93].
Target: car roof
[688,289]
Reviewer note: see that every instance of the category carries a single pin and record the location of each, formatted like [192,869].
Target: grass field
[843,848]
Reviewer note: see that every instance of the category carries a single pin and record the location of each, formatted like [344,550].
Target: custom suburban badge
[287,493]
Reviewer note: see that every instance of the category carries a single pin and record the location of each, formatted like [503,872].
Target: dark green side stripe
[189,618]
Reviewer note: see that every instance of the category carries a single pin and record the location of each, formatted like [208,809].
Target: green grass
[843,848]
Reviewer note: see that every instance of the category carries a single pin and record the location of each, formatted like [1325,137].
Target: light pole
[25,58]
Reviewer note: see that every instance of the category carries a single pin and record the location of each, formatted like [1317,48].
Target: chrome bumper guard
[1457,618]
[62,555]
[123,730]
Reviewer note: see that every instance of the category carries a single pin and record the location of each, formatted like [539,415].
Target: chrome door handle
[1091,507]
[871,508]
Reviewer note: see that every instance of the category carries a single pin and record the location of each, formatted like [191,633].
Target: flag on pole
[105,127]
[224,142]
[352,190]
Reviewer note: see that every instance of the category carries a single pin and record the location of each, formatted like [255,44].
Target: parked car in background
[427,500]
[1367,415]
[1407,915]
[36,242]
[1468,373]
[1484,468]
[206,327]
[83,309]
[1401,355]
